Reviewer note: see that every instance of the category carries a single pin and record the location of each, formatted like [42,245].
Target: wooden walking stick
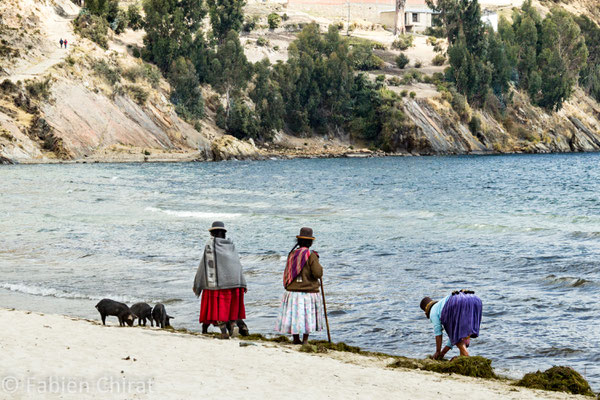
[325,309]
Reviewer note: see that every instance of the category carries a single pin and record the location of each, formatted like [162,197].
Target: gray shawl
[219,268]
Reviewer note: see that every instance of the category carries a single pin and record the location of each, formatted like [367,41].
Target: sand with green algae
[43,354]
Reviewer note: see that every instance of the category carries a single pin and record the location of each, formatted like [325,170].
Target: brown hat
[306,233]
[217,225]
[426,305]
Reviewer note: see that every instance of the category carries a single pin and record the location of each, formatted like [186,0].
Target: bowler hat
[306,233]
[217,225]
[426,305]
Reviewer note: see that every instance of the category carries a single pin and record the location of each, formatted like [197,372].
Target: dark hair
[220,233]
[301,243]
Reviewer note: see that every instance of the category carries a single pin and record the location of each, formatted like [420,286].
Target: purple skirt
[461,317]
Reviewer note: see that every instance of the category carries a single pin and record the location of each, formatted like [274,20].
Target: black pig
[160,315]
[120,310]
[143,311]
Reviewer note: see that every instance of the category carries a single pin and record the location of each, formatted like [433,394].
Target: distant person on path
[220,280]
[61,42]
[301,310]
[460,316]
[65,43]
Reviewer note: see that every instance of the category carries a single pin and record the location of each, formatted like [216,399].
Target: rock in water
[558,379]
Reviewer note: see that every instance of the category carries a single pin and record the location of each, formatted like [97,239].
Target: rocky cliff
[88,104]
[522,127]
[84,103]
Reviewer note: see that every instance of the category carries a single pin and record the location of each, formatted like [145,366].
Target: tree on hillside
[171,28]
[589,77]
[186,94]
[460,16]
[399,17]
[230,70]
[267,99]
[470,74]
[225,16]
[563,54]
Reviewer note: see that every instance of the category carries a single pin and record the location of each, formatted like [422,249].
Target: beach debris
[311,348]
[126,358]
[476,366]
[246,344]
[558,379]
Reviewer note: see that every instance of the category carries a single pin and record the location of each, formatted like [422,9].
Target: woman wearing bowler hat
[301,310]
[220,280]
[460,316]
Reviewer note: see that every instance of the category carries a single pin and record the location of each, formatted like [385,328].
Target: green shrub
[136,52]
[432,40]
[38,89]
[92,27]
[418,64]
[438,60]
[276,48]
[111,74]
[250,23]
[137,93]
[412,95]
[394,81]
[274,20]
[134,18]
[363,58]
[285,17]
[8,86]
[221,117]
[404,93]
[475,124]
[402,60]
[435,31]
[261,41]
[438,48]
[380,78]
[459,104]
[403,42]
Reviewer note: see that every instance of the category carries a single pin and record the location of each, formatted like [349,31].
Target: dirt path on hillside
[57,26]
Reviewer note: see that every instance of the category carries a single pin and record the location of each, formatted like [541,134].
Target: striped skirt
[300,313]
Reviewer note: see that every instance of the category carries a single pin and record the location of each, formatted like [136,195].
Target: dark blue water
[522,231]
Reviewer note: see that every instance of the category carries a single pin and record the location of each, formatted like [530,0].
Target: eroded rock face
[228,147]
[439,130]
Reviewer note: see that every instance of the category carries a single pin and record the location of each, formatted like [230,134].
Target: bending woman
[460,316]
[220,281]
[301,311]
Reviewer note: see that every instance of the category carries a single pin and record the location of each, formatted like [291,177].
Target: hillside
[85,103]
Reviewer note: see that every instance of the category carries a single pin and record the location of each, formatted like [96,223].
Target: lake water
[523,231]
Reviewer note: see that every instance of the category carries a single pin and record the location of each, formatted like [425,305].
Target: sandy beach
[53,356]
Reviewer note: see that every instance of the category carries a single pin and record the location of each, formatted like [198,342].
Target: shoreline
[42,350]
[192,157]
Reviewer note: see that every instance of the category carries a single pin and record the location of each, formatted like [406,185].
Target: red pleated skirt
[222,305]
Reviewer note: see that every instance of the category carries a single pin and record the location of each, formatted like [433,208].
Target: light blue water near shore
[522,231]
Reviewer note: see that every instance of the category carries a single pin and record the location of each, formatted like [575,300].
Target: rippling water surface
[522,231]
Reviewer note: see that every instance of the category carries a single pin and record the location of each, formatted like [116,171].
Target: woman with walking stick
[301,310]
